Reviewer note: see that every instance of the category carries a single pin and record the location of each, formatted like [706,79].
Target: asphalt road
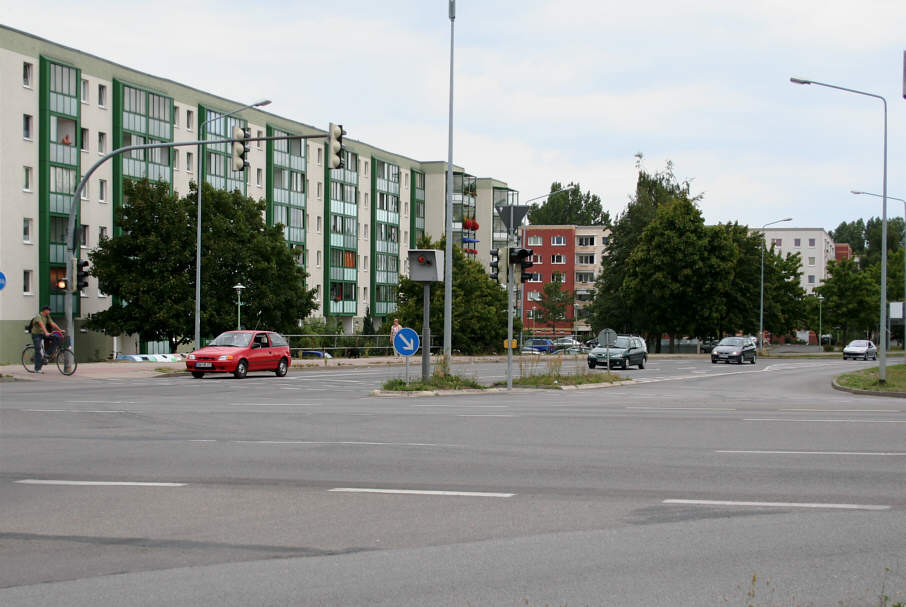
[306,490]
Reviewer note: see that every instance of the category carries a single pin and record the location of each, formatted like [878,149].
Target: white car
[860,348]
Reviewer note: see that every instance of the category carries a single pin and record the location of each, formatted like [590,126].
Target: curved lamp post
[761,296]
[820,301]
[201,136]
[882,328]
[239,287]
[859,192]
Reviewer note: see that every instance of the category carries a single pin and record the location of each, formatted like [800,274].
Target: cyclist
[41,334]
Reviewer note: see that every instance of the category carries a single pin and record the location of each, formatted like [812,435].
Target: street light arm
[552,193]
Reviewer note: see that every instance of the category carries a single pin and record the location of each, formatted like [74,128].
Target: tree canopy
[149,267]
[570,208]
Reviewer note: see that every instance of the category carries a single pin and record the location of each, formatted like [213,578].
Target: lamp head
[795,80]
[262,103]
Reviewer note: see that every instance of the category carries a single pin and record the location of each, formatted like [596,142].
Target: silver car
[860,348]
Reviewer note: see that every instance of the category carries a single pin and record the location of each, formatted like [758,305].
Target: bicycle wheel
[66,361]
[28,358]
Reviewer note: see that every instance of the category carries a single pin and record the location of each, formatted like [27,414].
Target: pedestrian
[41,326]
[393,331]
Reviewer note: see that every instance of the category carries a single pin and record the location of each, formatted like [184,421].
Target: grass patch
[436,382]
[555,380]
[867,379]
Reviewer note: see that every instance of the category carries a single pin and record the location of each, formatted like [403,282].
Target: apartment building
[815,247]
[64,110]
[570,255]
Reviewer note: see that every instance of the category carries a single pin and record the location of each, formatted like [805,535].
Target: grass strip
[868,379]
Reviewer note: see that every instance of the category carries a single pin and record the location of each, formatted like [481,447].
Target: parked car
[566,342]
[626,350]
[239,352]
[734,349]
[707,345]
[580,349]
[860,348]
[541,344]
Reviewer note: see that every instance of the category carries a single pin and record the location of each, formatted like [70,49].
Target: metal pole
[238,310]
[761,296]
[510,282]
[426,334]
[448,227]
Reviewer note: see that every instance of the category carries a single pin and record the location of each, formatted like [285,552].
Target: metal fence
[345,346]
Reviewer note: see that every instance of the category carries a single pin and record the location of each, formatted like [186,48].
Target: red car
[239,352]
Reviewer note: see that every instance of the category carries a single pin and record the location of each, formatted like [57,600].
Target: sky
[566,91]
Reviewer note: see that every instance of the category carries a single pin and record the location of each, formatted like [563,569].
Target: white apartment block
[814,246]
[63,110]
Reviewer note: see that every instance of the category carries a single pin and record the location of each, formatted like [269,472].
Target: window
[102,143]
[365,263]
[366,200]
[560,259]
[534,277]
[260,134]
[176,159]
[318,224]
[26,282]
[190,162]
[83,143]
[811,279]
[585,241]
[777,242]
[175,116]
[83,236]
[320,153]
[585,260]
[84,91]
[366,166]
[797,242]
[102,233]
[85,192]
[102,95]
[811,242]
[27,74]
[26,230]
[190,119]
[26,126]
[534,241]
[26,179]
[320,187]
[318,257]
[558,277]
[811,261]
[536,259]
[533,295]
[558,240]
[258,177]
[102,190]
[366,231]
[585,276]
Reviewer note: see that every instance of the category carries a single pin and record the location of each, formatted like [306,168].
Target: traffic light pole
[77,197]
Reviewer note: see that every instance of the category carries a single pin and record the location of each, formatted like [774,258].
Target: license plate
[723,355]
[204,365]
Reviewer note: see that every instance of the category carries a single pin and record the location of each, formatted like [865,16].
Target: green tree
[149,268]
[851,298]
[872,253]
[554,304]
[478,308]
[784,297]
[851,233]
[570,208]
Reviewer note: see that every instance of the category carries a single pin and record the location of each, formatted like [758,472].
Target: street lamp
[761,296]
[882,328]
[201,136]
[859,192]
[238,287]
[448,223]
[820,301]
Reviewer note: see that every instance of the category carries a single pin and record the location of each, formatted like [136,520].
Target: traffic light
[335,134]
[240,147]
[520,259]
[81,275]
[62,284]
[495,264]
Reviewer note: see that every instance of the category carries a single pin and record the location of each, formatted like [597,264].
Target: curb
[837,386]
[472,391]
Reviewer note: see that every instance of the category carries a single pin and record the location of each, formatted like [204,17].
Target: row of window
[58,227]
[536,240]
[797,242]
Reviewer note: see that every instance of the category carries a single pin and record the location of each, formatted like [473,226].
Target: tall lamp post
[448,224]
[239,286]
[820,301]
[882,327]
[201,136]
[858,192]
[761,296]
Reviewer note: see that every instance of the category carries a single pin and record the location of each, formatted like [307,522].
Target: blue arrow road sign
[2,280]
[406,341]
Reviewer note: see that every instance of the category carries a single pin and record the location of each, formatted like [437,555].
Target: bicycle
[62,355]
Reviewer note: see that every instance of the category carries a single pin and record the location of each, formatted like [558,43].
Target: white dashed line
[421,492]
[778,504]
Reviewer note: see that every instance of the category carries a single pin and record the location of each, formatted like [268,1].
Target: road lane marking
[421,492]
[71,411]
[484,415]
[844,410]
[830,421]
[468,406]
[753,452]
[273,405]
[681,408]
[34,481]
[778,504]
[363,443]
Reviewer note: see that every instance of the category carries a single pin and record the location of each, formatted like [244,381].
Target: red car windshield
[232,339]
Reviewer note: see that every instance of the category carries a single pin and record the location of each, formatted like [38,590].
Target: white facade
[814,246]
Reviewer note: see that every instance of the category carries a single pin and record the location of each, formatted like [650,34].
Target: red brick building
[554,254]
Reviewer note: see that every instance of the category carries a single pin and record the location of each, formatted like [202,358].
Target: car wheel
[197,374]
[282,368]
[625,364]
[713,361]
[242,369]
[591,364]
[754,356]
[642,363]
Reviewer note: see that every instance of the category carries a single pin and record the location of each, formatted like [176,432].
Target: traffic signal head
[81,275]
[62,284]
[520,259]
[240,148]
[495,264]
[335,134]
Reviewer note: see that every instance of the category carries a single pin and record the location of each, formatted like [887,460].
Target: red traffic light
[422,260]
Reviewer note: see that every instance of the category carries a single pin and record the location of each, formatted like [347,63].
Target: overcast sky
[556,91]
